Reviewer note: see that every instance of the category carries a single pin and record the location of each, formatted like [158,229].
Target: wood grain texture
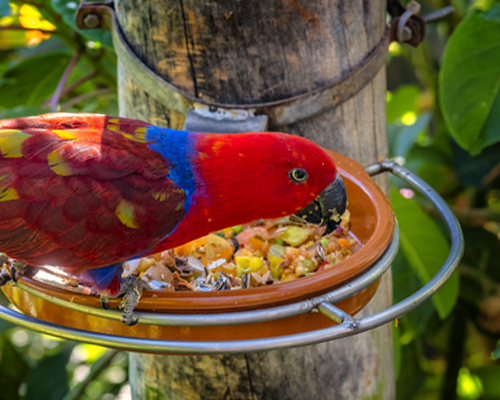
[250,51]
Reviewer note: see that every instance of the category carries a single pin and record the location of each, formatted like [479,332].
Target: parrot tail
[106,279]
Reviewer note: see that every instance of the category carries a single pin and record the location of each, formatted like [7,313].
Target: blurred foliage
[37,41]
[443,123]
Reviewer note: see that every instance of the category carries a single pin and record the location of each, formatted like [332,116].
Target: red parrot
[87,191]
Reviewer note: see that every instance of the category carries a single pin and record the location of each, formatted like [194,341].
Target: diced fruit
[295,235]
[259,245]
[343,243]
[277,250]
[275,256]
[244,236]
[237,229]
[247,264]
[207,249]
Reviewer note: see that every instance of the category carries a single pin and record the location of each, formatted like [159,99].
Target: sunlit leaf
[425,248]
[30,17]
[468,385]
[469,81]
[32,81]
[407,135]
[402,101]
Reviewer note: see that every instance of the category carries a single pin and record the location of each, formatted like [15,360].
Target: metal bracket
[407,26]
[347,324]
[219,120]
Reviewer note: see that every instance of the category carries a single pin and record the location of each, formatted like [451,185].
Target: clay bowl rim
[272,295]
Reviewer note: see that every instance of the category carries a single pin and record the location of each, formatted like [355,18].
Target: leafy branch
[18,27]
[76,41]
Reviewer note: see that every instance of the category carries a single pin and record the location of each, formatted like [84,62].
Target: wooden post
[252,51]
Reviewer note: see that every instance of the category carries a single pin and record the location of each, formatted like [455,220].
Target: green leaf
[405,282]
[491,128]
[489,375]
[49,380]
[425,248]
[441,177]
[411,379]
[471,170]
[18,112]
[32,81]
[469,81]
[13,369]
[493,14]
[4,8]
[397,352]
[407,136]
[496,354]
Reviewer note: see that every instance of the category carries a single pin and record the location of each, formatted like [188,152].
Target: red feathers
[85,191]
[82,191]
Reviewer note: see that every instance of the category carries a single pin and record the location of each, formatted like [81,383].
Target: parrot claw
[4,278]
[131,289]
[105,301]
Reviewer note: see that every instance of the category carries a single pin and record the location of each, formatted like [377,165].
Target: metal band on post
[348,325]
[279,113]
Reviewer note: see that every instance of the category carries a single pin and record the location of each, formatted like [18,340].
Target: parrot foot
[16,267]
[131,289]
[4,278]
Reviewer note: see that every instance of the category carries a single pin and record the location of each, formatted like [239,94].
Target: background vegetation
[443,123]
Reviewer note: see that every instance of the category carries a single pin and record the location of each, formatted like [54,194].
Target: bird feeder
[310,310]
[313,309]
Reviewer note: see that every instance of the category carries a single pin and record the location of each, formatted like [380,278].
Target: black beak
[328,207]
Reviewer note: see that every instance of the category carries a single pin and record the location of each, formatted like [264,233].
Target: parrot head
[245,177]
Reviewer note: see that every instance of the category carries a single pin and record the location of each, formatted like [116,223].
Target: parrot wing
[82,191]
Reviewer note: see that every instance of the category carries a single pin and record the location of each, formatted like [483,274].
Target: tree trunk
[246,52]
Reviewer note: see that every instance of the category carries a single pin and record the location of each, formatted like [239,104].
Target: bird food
[263,252]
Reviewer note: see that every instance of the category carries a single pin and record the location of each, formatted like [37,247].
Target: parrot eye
[298,175]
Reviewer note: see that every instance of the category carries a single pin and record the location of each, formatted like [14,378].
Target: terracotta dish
[372,224]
